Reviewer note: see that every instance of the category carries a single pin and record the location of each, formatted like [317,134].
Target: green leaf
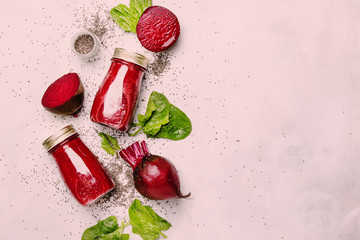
[156,115]
[125,237]
[149,110]
[179,126]
[109,144]
[128,17]
[101,229]
[163,120]
[139,6]
[145,222]
[115,236]
[107,229]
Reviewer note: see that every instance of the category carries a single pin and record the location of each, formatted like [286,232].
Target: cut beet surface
[158,29]
[65,95]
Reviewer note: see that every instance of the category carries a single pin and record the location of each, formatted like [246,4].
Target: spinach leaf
[145,222]
[128,17]
[115,236]
[107,229]
[109,144]
[156,115]
[179,126]
[163,120]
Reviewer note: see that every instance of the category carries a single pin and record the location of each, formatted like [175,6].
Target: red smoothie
[80,168]
[115,102]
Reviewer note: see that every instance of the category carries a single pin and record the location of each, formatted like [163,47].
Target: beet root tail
[180,195]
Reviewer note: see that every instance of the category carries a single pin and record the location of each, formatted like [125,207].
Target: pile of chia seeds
[159,64]
[84,44]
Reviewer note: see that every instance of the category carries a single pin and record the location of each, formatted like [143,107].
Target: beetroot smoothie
[80,168]
[115,102]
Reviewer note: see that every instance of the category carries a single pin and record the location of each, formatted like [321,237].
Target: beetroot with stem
[155,177]
[65,95]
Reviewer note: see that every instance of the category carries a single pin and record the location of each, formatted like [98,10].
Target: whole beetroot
[155,177]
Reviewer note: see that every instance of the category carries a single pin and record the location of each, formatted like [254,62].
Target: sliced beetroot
[65,95]
[155,177]
[158,29]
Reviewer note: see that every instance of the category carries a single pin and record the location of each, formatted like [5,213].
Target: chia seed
[84,44]
[159,64]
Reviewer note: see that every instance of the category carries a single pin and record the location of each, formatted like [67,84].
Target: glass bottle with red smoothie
[115,102]
[80,168]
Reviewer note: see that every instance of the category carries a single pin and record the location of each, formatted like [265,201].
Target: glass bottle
[79,167]
[115,101]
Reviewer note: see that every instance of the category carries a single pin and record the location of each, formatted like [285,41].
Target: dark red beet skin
[158,29]
[65,95]
[155,177]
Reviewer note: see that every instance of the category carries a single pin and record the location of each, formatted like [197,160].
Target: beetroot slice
[65,95]
[158,29]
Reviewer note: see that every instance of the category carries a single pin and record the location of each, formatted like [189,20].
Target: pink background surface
[272,90]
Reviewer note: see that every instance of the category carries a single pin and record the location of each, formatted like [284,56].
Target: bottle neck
[122,61]
[65,141]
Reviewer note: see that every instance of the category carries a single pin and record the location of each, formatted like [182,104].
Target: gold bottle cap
[130,56]
[58,137]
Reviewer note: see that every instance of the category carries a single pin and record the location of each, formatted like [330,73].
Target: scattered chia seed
[159,64]
[98,21]
[97,26]
[124,191]
[84,44]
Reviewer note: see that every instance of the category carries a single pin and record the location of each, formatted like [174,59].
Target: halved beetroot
[65,95]
[158,29]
